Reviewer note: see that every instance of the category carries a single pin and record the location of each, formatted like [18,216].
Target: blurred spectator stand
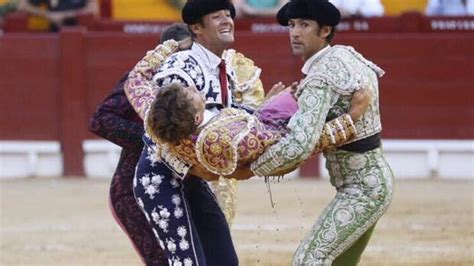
[398,7]
[262,8]
[50,15]
[446,8]
[146,10]
[359,8]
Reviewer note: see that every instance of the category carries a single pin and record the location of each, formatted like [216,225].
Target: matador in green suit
[358,170]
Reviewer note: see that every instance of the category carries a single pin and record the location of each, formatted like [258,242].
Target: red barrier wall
[407,22]
[29,87]
[50,84]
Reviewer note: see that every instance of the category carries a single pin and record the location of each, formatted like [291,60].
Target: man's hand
[199,171]
[277,88]
[185,44]
[241,173]
[286,171]
[293,87]
[360,101]
[56,17]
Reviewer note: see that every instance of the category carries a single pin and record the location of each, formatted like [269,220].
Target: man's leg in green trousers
[352,255]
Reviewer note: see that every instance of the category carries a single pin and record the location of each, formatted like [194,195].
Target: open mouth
[225,31]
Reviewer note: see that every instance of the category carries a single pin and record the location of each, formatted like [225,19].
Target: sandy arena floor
[67,222]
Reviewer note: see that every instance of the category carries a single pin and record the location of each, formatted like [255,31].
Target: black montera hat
[194,10]
[322,11]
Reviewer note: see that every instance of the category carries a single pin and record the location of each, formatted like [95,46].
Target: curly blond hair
[171,117]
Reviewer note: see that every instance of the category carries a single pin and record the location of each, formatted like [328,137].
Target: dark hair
[193,35]
[171,117]
[177,32]
[331,33]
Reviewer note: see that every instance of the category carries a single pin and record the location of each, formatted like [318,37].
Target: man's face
[306,37]
[199,102]
[216,30]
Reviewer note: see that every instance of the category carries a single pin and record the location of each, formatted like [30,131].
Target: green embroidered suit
[363,180]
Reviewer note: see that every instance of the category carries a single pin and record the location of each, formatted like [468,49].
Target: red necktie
[223,81]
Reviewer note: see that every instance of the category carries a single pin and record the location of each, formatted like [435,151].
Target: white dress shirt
[213,61]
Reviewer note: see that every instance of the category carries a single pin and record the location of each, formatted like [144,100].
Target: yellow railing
[163,10]
[396,7]
[145,10]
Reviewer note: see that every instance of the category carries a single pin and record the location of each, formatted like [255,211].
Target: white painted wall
[408,158]
[100,158]
[30,158]
[427,158]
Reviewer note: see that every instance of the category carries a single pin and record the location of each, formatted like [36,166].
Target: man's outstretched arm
[305,128]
